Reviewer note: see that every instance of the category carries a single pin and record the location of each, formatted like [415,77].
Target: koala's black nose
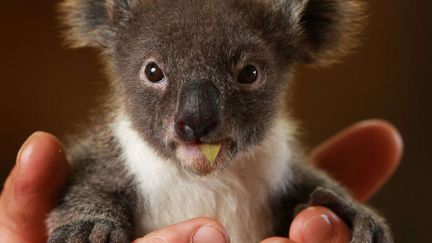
[198,113]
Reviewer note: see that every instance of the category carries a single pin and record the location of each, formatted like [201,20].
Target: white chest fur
[236,196]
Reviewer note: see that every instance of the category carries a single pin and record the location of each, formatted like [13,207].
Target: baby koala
[195,122]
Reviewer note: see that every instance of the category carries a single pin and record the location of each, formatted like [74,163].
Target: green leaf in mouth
[210,151]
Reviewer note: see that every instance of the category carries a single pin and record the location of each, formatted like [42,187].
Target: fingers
[315,225]
[198,230]
[31,189]
[361,157]
[319,225]
[277,240]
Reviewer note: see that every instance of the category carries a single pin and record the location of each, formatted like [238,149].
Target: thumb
[31,190]
[319,225]
[362,157]
[197,230]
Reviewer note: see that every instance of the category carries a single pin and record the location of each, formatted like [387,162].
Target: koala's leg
[89,213]
[309,187]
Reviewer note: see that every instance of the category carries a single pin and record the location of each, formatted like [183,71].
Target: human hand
[32,189]
[39,176]
[362,158]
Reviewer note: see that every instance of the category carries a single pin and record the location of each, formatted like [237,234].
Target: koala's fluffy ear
[321,31]
[93,22]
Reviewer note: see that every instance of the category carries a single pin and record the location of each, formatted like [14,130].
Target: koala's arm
[310,187]
[97,206]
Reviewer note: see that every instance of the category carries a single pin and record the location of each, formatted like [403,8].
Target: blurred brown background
[47,87]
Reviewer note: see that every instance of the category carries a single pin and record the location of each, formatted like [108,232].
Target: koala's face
[203,80]
[194,77]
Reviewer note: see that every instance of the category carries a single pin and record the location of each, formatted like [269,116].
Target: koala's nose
[198,113]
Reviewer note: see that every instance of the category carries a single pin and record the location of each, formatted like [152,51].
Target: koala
[196,123]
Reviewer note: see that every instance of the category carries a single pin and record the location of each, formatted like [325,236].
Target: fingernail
[318,229]
[152,240]
[24,151]
[209,234]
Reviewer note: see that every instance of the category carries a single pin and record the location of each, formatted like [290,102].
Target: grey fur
[199,40]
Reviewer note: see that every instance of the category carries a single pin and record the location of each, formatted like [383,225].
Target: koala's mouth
[203,159]
[210,151]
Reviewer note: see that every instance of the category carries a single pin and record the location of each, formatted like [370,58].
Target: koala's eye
[153,73]
[248,75]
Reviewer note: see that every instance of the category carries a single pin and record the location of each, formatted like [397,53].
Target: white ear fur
[91,23]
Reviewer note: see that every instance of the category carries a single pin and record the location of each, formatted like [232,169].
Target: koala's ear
[93,22]
[321,31]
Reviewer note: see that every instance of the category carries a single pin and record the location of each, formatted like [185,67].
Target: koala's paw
[94,231]
[366,226]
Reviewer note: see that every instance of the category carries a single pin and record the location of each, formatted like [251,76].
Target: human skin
[362,158]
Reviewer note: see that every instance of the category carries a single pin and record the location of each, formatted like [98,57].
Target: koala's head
[196,75]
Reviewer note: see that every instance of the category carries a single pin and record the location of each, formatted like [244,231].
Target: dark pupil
[154,73]
[248,75]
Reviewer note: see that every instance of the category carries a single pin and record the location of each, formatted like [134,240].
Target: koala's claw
[95,231]
[366,226]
